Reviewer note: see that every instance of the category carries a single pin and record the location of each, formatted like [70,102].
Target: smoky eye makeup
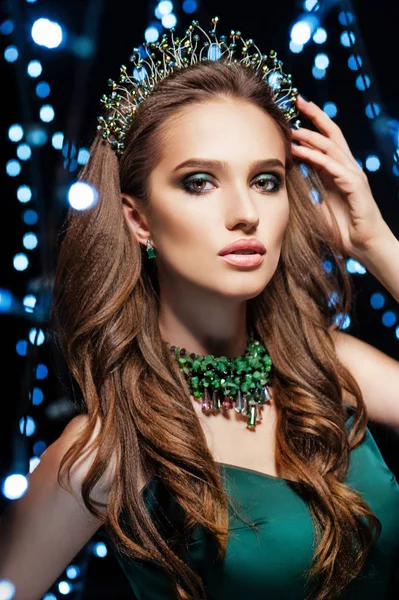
[195,183]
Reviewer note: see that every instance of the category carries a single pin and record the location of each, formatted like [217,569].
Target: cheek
[182,228]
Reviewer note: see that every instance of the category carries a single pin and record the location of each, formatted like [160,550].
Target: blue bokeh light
[362,82]
[345,18]
[389,318]
[24,152]
[57,140]
[320,35]
[29,303]
[6,299]
[83,156]
[348,38]
[21,347]
[64,587]
[42,89]
[82,195]
[301,32]
[15,132]
[28,425]
[37,396]
[7,27]
[377,300]
[189,6]
[343,321]
[321,60]
[30,217]
[353,266]
[30,241]
[169,21]
[330,108]
[73,571]
[24,193]
[34,68]
[318,73]
[295,48]
[100,549]
[354,62]
[11,53]
[310,5]
[20,261]
[165,7]
[151,34]
[40,445]
[41,371]
[13,167]
[372,163]
[47,113]
[14,487]
[36,336]
[46,33]
[37,136]
[372,110]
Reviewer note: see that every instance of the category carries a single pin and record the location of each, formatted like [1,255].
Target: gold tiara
[155,61]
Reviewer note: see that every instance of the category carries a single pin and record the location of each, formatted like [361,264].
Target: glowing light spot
[330,108]
[36,337]
[15,133]
[34,68]
[27,425]
[321,61]
[377,300]
[24,193]
[15,486]
[20,262]
[24,152]
[47,113]
[13,167]
[82,195]
[46,33]
[29,241]
[320,35]
[372,163]
[151,34]
[11,53]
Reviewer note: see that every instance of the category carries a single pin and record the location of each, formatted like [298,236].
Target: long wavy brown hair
[106,304]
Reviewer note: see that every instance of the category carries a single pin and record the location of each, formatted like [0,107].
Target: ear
[135,219]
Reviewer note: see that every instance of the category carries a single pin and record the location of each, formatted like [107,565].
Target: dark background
[77,83]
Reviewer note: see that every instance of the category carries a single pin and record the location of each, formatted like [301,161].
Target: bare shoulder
[57,520]
[81,467]
[376,373]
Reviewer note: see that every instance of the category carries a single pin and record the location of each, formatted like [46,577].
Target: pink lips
[244,244]
[244,260]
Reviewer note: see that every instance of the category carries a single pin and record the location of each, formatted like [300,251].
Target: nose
[241,211]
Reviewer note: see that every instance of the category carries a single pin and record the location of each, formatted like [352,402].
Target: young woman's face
[198,209]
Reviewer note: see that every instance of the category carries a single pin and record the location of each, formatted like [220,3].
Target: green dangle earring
[150,250]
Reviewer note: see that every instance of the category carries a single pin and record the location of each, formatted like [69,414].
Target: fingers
[318,141]
[324,124]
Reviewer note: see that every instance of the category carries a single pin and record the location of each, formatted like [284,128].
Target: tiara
[155,61]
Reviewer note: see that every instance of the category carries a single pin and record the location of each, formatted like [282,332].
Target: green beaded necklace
[220,381]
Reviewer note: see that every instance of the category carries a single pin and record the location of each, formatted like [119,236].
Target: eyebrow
[209,164]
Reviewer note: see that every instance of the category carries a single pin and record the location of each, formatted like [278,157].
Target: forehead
[229,130]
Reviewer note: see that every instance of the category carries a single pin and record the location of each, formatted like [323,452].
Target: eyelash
[189,179]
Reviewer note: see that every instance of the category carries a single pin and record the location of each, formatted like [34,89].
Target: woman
[165,328]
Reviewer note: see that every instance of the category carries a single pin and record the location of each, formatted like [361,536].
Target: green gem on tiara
[162,57]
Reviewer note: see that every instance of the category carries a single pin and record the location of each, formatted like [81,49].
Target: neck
[203,324]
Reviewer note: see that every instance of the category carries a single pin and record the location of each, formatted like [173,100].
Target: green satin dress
[270,564]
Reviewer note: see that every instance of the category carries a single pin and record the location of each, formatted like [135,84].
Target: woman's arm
[43,531]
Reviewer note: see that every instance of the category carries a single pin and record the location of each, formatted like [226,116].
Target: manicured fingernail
[304,97]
